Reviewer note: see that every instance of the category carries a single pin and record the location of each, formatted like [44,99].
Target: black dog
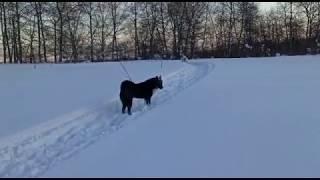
[144,90]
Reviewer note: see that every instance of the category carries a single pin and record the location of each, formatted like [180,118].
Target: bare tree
[4,46]
[136,39]
[176,12]
[42,32]
[14,39]
[32,35]
[19,32]
[102,23]
[53,18]
[28,16]
[73,21]
[231,11]
[164,23]
[61,6]
[309,9]
[91,31]
[37,9]
[90,10]
[118,15]
[4,7]
[77,30]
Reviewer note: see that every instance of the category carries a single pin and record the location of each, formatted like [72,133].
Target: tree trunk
[205,30]
[60,33]
[114,21]
[307,30]
[42,33]
[6,32]
[136,44]
[179,46]
[31,41]
[73,42]
[175,53]
[153,26]
[151,50]
[230,28]
[103,41]
[3,35]
[55,41]
[318,26]
[19,33]
[193,41]
[291,29]
[39,32]
[91,32]
[163,30]
[14,44]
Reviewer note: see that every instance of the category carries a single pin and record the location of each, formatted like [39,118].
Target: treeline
[37,32]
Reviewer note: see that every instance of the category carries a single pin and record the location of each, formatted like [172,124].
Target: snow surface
[253,117]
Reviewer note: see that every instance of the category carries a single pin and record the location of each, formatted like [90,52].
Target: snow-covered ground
[254,117]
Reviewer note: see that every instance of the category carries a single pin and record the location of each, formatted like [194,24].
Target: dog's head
[159,82]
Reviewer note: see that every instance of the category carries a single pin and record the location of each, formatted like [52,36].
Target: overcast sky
[266,5]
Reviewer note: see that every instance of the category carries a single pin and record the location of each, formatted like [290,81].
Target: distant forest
[58,32]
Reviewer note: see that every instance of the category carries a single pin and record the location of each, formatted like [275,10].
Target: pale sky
[266,5]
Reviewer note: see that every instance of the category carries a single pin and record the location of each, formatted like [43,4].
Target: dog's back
[129,89]
[126,84]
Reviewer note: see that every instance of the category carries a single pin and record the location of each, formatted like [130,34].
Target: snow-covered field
[253,117]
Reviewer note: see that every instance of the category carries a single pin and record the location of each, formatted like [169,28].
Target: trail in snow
[32,152]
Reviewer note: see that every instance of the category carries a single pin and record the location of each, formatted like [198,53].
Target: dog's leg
[123,108]
[129,106]
[124,103]
[122,99]
[148,100]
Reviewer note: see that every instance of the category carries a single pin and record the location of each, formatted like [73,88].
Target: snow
[252,117]
[31,96]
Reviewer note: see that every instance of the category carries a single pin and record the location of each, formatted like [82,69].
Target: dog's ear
[160,77]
